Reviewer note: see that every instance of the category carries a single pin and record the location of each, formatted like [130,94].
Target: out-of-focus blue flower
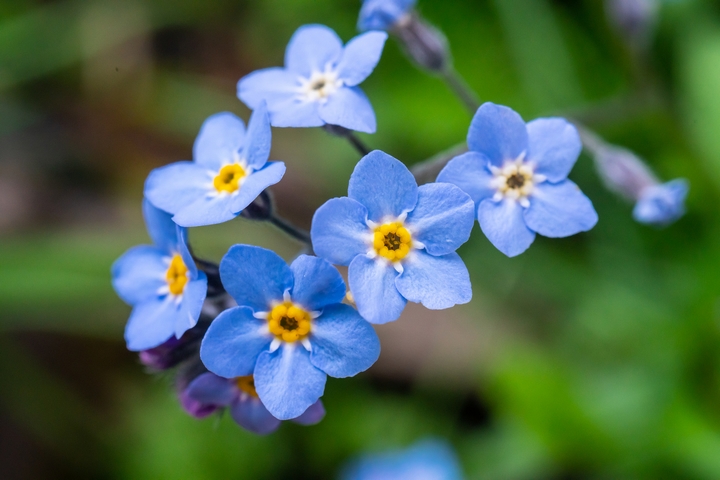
[238,394]
[517,176]
[319,84]
[383,14]
[426,460]
[398,240]
[289,331]
[662,204]
[160,282]
[230,170]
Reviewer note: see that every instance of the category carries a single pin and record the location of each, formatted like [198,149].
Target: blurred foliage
[600,355]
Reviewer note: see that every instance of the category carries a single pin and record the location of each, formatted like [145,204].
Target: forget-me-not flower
[319,83]
[661,204]
[290,330]
[383,14]
[517,176]
[160,282]
[398,239]
[230,170]
[426,460]
[240,396]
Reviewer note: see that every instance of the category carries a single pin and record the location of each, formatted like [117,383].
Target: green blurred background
[595,356]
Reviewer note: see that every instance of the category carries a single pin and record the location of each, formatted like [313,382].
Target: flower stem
[461,89]
[427,170]
[350,136]
[296,232]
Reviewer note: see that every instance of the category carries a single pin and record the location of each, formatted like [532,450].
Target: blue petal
[503,224]
[210,389]
[382,14]
[139,273]
[160,227]
[271,85]
[311,48]
[343,343]
[372,283]
[312,415]
[470,172]
[252,415]
[443,218]
[183,250]
[193,298]
[498,132]
[349,108]
[219,141]
[383,185]
[317,283]
[175,186]
[554,147]
[559,210]
[233,342]
[207,210]
[259,138]
[255,277]
[152,323]
[296,113]
[436,282]
[662,204]
[360,57]
[287,382]
[255,183]
[339,232]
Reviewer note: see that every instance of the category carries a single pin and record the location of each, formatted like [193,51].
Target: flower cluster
[259,337]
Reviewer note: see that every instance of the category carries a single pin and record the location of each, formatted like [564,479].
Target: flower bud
[383,14]
[634,20]
[661,205]
[423,43]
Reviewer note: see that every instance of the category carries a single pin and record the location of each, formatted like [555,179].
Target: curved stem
[349,135]
[461,89]
[296,232]
[427,170]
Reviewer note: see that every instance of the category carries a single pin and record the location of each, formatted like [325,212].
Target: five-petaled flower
[398,239]
[661,204]
[240,396]
[161,282]
[289,330]
[517,176]
[318,85]
[383,14]
[230,170]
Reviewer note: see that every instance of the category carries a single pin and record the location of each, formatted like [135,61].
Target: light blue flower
[517,176]
[398,240]
[426,460]
[289,331]
[208,392]
[662,204]
[319,84]
[230,170]
[160,282]
[382,14]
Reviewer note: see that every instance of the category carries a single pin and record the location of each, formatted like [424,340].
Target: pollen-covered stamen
[392,241]
[515,180]
[320,85]
[177,275]
[229,178]
[246,385]
[289,322]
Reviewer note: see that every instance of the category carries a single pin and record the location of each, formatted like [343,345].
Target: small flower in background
[160,282]
[663,204]
[230,170]
[634,20]
[238,394]
[426,460]
[383,14]
[517,176]
[318,84]
[398,240]
[290,330]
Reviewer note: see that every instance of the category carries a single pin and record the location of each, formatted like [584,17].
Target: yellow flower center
[392,241]
[289,322]
[247,384]
[176,275]
[229,177]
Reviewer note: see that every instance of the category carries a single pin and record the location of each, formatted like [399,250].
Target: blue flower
[318,85]
[429,459]
[662,204]
[382,14]
[517,176]
[230,170]
[399,240]
[289,331]
[239,394]
[160,282]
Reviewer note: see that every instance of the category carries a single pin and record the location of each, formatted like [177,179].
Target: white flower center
[319,86]
[516,180]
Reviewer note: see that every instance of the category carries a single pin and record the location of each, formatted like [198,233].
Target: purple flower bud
[194,407]
[633,19]
[423,43]
[623,172]
[161,357]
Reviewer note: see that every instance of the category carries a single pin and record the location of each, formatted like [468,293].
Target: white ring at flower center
[319,86]
[516,180]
